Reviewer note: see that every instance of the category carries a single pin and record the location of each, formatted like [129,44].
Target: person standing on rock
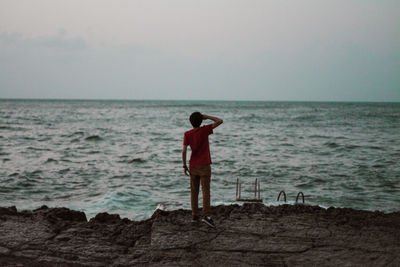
[199,164]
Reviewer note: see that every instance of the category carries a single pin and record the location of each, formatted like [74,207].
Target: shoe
[207,220]
[195,219]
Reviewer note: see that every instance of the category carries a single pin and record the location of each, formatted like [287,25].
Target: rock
[4,251]
[106,218]
[247,235]
[43,207]
[56,214]
[8,211]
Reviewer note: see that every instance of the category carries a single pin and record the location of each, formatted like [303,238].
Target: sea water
[125,156]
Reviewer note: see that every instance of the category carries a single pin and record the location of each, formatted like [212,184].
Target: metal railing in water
[257,193]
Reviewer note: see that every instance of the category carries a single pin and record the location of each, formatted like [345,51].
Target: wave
[378,166]
[49,160]
[311,118]
[80,133]
[137,160]
[37,148]
[376,147]
[11,128]
[331,144]
[64,171]
[351,147]
[34,173]
[252,117]
[319,136]
[26,183]
[94,138]
[305,185]
[339,175]
[121,176]
[125,159]
[286,144]
[44,139]
[93,152]
[319,180]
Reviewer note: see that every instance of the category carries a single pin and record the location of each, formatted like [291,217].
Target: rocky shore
[248,235]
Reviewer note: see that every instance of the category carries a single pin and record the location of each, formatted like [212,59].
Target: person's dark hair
[195,119]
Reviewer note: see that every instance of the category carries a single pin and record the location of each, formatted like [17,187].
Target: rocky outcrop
[248,235]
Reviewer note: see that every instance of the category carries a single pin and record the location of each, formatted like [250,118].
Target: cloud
[59,41]
[59,66]
[64,66]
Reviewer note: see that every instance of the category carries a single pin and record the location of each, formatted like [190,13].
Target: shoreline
[248,234]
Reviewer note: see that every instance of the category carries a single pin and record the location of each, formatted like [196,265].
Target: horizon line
[206,100]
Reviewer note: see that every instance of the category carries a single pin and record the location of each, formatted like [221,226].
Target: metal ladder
[257,192]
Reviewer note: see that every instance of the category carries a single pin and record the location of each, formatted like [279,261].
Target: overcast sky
[333,50]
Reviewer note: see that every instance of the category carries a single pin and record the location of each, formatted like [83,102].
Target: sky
[273,50]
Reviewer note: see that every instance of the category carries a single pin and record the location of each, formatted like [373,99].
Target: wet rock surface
[248,235]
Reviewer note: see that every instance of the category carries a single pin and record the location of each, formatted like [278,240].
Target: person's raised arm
[217,121]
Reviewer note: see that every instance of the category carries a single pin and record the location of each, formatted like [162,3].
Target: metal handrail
[302,195]
[255,188]
[284,195]
[237,188]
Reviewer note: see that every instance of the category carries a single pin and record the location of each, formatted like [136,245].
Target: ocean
[125,156]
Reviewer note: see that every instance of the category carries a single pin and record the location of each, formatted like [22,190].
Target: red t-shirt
[197,139]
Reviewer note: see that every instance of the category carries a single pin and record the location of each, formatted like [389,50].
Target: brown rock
[247,235]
